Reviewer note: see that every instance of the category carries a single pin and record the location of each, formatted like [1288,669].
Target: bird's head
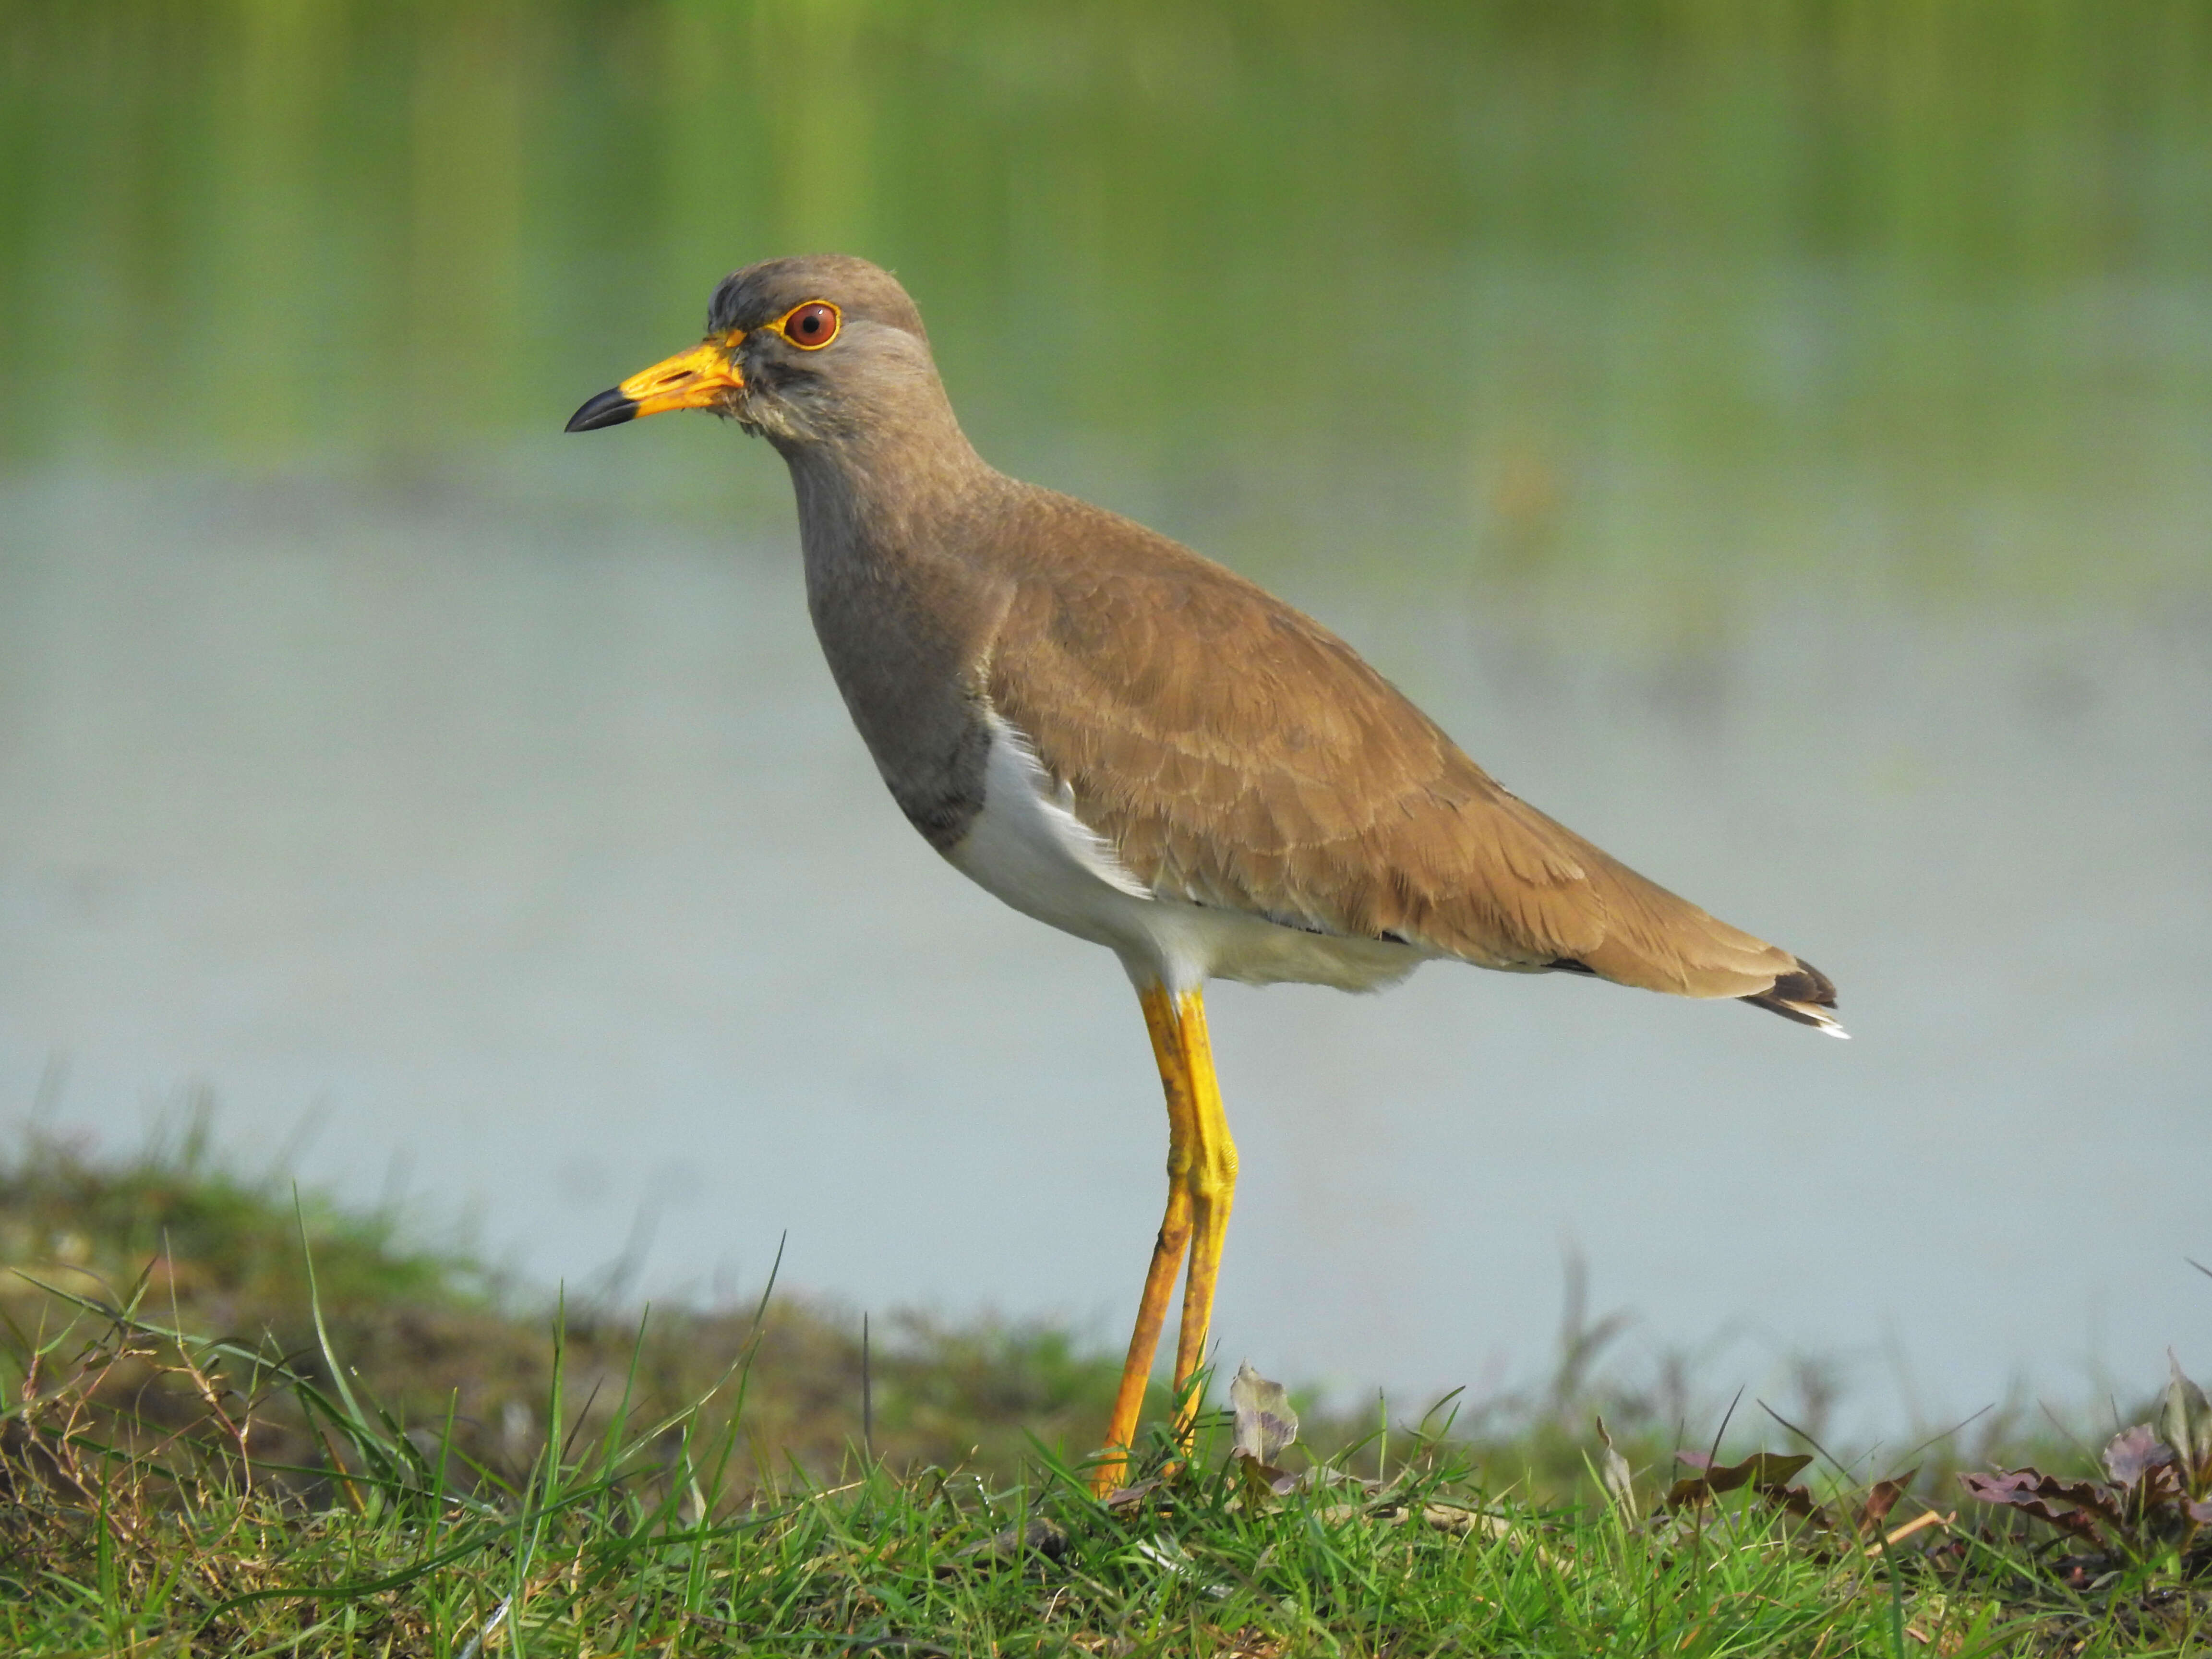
[801,351]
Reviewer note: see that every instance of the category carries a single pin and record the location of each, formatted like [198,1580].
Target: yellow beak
[702,378]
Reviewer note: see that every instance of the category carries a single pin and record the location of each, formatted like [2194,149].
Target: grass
[433,1330]
[404,1458]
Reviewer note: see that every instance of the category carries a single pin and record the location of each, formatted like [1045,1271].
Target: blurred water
[1779,447]
[533,850]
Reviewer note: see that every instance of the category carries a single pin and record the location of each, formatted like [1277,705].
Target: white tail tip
[1820,1018]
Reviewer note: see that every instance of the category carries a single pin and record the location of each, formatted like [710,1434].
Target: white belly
[1028,847]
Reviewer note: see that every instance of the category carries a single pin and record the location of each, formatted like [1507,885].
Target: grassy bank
[237,1423]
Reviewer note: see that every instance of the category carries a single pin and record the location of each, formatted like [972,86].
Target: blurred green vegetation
[195,1244]
[1532,276]
[199,1246]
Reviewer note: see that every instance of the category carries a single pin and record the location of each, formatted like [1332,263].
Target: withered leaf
[1796,1500]
[1129,1498]
[1614,1474]
[1881,1499]
[1265,1422]
[1265,1479]
[2185,1423]
[2097,1499]
[2162,1487]
[2133,1453]
[1760,1470]
[2029,1492]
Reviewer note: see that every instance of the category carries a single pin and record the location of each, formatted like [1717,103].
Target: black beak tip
[609,408]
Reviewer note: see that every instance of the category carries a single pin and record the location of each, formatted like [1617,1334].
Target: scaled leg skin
[1167,1249]
[1201,1176]
[1212,1182]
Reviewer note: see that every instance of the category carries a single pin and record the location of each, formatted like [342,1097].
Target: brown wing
[1237,753]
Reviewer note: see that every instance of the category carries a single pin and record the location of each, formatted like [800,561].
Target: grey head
[823,352]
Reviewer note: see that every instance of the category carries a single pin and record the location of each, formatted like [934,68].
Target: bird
[1131,743]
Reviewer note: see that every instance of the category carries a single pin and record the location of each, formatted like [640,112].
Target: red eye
[814,325]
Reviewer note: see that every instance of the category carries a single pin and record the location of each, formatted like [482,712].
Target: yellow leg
[1212,1183]
[1202,1182]
[1152,1313]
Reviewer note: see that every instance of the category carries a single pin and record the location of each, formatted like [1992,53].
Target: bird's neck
[901,585]
[887,497]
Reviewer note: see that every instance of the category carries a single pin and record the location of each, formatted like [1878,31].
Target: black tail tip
[1806,984]
[1804,994]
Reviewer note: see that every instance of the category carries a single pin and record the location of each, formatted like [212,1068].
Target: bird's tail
[1804,994]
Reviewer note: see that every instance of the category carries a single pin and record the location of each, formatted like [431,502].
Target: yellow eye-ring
[811,326]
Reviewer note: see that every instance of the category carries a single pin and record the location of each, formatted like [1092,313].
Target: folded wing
[1235,753]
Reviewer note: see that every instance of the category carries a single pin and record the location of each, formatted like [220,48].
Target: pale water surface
[530,854]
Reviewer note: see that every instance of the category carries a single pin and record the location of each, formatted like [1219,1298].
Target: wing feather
[1235,753]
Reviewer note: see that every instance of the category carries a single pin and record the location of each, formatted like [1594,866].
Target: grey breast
[905,613]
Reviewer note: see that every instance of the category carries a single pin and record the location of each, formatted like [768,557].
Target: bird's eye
[813,325]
